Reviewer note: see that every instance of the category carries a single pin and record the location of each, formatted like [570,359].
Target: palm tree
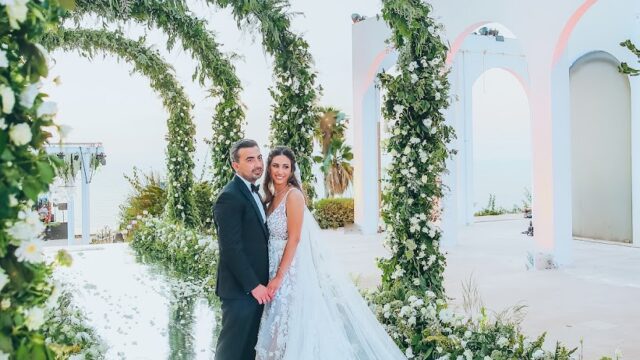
[336,155]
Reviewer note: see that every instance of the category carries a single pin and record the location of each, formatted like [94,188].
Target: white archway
[600,149]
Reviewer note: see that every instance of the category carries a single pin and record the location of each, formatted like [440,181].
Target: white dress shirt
[256,197]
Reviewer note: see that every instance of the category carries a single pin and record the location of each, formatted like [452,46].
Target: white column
[550,130]
[365,160]
[561,152]
[86,214]
[467,138]
[71,217]
[634,82]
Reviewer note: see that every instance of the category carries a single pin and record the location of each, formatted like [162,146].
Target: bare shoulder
[295,198]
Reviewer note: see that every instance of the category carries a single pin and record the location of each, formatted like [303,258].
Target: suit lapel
[247,194]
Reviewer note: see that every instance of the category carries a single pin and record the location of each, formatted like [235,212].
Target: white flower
[409,353]
[30,251]
[5,304]
[487,357]
[4,355]
[20,134]
[3,124]
[502,341]
[28,227]
[398,108]
[47,108]
[16,10]
[427,122]
[468,354]
[34,318]
[8,98]
[538,354]
[4,279]
[4,62]
[445,316]
[414,78]
[28,95]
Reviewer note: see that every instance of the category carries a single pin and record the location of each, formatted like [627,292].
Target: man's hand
[261,293]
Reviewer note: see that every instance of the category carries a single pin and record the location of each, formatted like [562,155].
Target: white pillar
[467,137]
[71,217]
[365,177]
[551,142]
[634,83]
[86,214]
[561,152]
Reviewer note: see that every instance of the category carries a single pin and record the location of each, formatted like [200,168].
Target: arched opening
[600,149]
[490,81]
[501,144]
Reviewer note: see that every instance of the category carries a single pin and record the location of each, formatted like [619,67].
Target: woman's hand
[274,285]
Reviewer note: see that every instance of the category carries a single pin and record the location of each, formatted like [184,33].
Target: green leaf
[39,352]
[5,343]
[46,172]
[68,4]
[7,155]
[31,187]
[4,139]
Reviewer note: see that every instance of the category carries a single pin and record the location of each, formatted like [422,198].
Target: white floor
[596,299]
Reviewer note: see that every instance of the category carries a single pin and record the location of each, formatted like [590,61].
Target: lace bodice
[277,221]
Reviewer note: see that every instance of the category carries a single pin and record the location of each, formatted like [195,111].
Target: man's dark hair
[234,152]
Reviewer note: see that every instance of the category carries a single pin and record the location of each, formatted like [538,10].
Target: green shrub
[178,248]
[203,191]
[149,197]
[334,212]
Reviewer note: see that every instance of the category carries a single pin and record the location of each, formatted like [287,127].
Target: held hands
[274,285]
[262,294]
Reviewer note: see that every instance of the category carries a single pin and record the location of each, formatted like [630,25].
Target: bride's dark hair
[268,184]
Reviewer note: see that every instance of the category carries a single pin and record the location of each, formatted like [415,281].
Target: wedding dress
[317,313]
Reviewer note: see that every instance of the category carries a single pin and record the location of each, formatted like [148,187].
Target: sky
[104,102]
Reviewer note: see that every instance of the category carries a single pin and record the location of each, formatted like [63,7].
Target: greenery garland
[175,20]
[418,146]
[26,170]
[181,130]
[295,93]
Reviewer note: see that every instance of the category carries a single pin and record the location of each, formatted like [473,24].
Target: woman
[316,312]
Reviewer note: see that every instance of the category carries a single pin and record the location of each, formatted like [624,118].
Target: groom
[243,269]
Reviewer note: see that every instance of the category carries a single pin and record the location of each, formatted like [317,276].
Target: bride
[316,312]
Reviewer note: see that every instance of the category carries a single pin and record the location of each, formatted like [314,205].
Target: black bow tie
[255,188]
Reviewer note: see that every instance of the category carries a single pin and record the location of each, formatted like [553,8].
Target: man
[243,269]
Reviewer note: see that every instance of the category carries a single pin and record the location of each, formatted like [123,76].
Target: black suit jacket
[243,238]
